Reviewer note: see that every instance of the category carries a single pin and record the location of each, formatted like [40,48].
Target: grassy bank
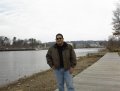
[45,81]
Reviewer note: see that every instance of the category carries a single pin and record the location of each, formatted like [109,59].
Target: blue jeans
[63,76]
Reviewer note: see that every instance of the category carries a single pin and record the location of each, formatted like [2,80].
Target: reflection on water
[17,64]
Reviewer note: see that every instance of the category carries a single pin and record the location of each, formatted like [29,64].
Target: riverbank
[45,81]
[17,49]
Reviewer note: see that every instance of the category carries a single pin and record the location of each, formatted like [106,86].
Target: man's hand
[53,67]
[71,70]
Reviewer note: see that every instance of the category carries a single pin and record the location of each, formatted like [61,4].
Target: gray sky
[43,19]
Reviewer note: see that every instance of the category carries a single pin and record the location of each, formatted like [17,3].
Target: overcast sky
[43,19]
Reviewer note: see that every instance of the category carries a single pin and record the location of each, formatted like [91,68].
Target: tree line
[15,43]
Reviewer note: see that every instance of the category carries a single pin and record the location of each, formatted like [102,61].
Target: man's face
[59,40]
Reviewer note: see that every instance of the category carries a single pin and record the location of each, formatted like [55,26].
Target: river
[17,64]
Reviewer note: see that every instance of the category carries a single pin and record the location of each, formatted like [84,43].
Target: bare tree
[4,42]
[116,21]
[113,42]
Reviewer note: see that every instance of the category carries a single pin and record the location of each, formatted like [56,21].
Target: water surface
[17,64]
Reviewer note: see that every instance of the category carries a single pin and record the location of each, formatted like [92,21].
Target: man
[62,59]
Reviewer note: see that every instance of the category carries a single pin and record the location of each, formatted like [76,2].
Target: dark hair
[59,34]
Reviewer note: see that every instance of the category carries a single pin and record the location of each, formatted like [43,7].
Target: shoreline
[45,81]
[17,49]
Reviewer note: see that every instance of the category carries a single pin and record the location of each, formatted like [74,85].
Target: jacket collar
[64,45]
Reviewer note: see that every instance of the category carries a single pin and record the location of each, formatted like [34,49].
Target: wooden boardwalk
[104,75]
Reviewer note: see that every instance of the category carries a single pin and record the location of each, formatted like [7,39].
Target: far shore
[25,49]
[45,81]
[17,49]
